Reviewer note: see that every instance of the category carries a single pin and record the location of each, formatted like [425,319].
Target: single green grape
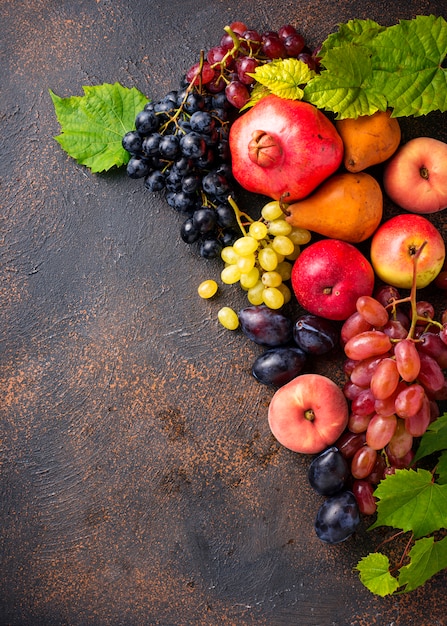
[230,274]
[272,210]
[258,230]
[207,289]
[249,279]
[245,245]
[273,298]
[279,227]
[228,318]
[268,259]
[283,245]
[271,279]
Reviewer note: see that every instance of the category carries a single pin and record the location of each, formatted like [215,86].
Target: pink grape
[387,406]
[354,325]
[401,442]
[432,344]
[367,344]
[348,443]
[417,424]
[358,423]
[364,495]
[409,401]
[363,403]
[372,311]
[407,360]
[430,374]
[380,430]
[387,295]
[363,461]
[363,371]
[385,379]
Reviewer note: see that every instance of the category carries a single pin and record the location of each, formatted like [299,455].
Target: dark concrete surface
[140,484]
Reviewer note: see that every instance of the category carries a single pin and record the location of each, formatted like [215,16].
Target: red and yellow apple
[329,276]
[394,246]
[415,178]
[308,414]
[284,148]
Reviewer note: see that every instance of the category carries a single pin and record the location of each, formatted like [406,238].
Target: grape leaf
[353,31]
[410,74]
[93,125]
[367,68]
[441,469]
[427,558]
[434,439]
[284,77]
[411,501]
[345,86]
[374,574]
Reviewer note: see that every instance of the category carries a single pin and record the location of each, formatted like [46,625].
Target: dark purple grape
[315,335]
[193,145]
[155,181]
[210,247]
[337,518]
[278,366]
[188,232]
[204,219]
[137,167]
[265,326]
[237,94]
[146,122]
[328,472]
[132,142]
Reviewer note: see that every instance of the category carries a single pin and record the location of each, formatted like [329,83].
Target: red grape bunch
[395,356]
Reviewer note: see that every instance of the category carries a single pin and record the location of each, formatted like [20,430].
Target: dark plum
[328,472]
[279,366]
[265,326]
[337,518]
[315,335]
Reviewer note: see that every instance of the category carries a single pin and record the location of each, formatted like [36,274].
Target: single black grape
[337,518]
[146,122]
[278,366]
[188,232]
[151,143]
[205,219]
[315,335]
[210,247]
[202,122]
[137,167]
[328,472]
[193,145]
[265,326]
[169,146]
[155,181]
[132,142]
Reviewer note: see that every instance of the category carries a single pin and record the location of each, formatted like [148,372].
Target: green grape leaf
[427,558]
[407,65]
[434,439]
[367,68]
[375,575]
[441,469]
[345,87]
[354,31]
[412,501]
[93,125]
[284,77]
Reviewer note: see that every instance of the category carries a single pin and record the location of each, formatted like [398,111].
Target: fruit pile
[180,143]
[196,145]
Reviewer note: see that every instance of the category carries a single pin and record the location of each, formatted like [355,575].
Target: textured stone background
[139,481]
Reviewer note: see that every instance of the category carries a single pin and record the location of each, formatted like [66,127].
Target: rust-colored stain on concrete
[140,484]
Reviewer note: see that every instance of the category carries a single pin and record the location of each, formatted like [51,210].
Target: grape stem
[239,215]
[415,318]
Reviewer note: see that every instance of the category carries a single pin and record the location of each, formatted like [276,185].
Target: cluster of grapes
[229,66]
[395,356]
[261,259]
[180,142]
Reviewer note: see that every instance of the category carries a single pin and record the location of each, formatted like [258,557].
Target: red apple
[329,276]
[415,178]
[308,414]
[284,148]
[394,245]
